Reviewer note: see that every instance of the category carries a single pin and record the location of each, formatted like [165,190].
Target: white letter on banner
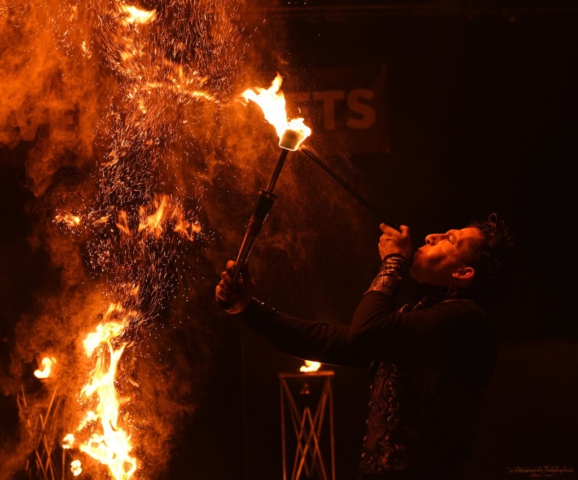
[367,111]
[328,98]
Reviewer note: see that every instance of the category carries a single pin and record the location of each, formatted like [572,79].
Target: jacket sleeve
[305,339]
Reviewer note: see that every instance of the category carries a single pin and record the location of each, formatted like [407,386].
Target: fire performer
[430,360]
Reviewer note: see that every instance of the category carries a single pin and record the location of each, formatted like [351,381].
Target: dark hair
[490,254]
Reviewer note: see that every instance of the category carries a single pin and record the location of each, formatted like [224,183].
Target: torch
[291,134]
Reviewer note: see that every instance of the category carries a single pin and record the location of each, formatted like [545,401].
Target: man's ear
[464,274]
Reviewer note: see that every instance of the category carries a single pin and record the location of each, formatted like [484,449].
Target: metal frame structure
[307,423]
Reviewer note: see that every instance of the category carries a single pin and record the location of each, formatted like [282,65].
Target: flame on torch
[272,102]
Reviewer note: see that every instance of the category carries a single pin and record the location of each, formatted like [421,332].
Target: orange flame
[68,219]
[68,441]
[136,15]
[101,220]
[166,210]
[75,468]
[153,222]
[110,444]
[46,369]
[272,102]
[310,366]
[122,223]
[185,228]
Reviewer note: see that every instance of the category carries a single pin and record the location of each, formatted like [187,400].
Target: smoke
[125,109]
[144,165]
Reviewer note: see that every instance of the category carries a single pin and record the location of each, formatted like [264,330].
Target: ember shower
[130,115]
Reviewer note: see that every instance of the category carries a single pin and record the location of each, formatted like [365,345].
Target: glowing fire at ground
[107,440]
[46,369]
[75,467]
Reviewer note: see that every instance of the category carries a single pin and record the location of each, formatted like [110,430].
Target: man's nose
[432,238]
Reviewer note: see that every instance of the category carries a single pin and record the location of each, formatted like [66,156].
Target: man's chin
[418,277]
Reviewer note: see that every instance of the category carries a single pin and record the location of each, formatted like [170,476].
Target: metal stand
[307,400]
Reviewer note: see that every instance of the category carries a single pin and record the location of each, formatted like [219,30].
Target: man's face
[440,260]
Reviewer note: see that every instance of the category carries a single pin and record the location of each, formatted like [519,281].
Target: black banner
[346,109]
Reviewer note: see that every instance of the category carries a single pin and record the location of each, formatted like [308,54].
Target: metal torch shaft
[277,171]
[264,203]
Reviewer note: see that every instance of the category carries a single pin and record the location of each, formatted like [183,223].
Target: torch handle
[277,171]
[264,204]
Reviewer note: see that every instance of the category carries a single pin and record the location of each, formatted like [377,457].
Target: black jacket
[429,364]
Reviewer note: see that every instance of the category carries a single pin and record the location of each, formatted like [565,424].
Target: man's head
[470,256]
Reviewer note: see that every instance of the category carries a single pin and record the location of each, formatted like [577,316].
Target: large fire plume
[142,164]
[126,112]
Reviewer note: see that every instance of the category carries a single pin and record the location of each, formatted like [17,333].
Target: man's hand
[392,241]
[237,293]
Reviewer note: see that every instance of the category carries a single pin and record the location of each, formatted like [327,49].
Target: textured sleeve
[301,338]
[389,276]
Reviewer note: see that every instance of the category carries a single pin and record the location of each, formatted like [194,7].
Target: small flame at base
[75,467]
[46,369]
[310,366]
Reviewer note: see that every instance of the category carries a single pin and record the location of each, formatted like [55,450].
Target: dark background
[481,108]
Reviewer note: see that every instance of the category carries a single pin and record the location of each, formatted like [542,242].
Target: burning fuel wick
[347,187]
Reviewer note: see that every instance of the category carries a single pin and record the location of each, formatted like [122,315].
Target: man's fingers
[223,286]
[221,291]
[224,292]
[230,268]
[226,276]
[227,279]
[385,228]
[229,274]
